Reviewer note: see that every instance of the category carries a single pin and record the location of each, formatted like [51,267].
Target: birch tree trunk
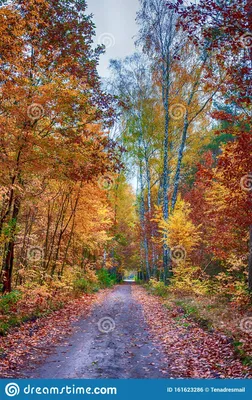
[142,220]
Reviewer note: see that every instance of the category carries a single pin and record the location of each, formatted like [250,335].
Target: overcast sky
[115,27]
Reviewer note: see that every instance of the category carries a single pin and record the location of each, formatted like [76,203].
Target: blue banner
[33,389]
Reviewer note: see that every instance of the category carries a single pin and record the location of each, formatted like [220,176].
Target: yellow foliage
[180,228]
[188,278]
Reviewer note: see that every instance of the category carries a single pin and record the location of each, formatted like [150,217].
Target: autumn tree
[179,70]
[50,100]
[138,102]
[225,25]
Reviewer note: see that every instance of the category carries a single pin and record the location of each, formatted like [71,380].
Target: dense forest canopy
[141,181]
[182,107]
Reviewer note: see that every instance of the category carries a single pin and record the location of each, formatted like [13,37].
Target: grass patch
[193,312]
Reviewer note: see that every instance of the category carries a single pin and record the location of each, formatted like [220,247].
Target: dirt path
[113,342]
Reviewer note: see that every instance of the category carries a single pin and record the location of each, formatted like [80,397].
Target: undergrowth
[210,312]
[31,301]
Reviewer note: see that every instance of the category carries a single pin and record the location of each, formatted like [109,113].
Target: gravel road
[113,342]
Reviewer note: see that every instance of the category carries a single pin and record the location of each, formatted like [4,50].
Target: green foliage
[83,285]
[86,284]
[190,310]
[105,278]
[193,312]
[12,318]
[33,300]
[216,142]
[246,359]
[8,300]
[158,288]
[138,281]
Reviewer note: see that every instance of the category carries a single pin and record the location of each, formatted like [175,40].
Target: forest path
[113,342]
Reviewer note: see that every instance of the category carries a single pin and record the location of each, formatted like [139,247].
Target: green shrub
[8,300]
[138,281]
[4,327]
[83,285]
[158,288]
[105,278]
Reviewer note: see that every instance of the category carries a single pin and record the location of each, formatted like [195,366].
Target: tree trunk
[142,220]
[179,163]
[64,228]
[148,178]
[65,200]
[9,249]
[166,258]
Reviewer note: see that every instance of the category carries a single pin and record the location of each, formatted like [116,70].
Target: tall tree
[179,68]
[50,99]
[139,106]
